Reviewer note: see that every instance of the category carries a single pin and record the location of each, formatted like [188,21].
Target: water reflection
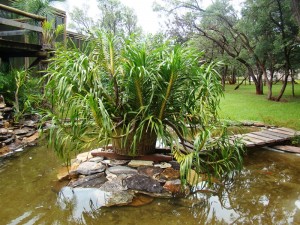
[81,200]
[267,191]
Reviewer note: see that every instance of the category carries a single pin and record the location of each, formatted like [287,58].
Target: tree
[39,7]
[131,92]
[80,22]
[253,40]
[113,17]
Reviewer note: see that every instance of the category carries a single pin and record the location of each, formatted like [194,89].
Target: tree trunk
[225,69]
[293,83]
[237,87]
[283,87]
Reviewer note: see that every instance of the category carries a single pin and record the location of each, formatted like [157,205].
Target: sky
[147,19]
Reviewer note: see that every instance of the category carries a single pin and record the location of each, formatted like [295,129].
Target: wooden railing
[20,23]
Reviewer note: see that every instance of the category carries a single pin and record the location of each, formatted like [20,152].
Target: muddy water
[267,191]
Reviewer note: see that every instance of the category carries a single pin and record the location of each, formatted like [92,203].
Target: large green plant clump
[116,89]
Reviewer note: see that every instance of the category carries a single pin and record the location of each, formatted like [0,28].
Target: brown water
[265,192]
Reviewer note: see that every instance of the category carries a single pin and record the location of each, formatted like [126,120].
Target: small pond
[267,191]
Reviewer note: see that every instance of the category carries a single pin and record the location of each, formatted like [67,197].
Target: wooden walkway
[267,137]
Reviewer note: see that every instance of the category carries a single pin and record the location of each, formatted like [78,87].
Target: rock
[149,170]
[29,123]
[163,165]
[119,199]
[138,163]
[114,185]
[97,150]
[2,105]
[4,150]
[92,181]
[143,183]
[3,131]
[163,194]
[114,162]
[173,186]
[4,137]
[9,140]
[22,131]
[141,199]
[31,138]
[87,200]
[65,174]
[121,170]
[170,174]
[175,165]
[96,159]
[258,124]
[16,145]
[88,168]
[82,157]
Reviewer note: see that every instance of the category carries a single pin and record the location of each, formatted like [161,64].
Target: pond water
[267,191]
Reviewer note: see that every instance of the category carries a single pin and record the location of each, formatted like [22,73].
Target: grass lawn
[243,104]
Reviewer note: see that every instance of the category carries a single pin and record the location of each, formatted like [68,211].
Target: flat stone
[88,168]
[4,137]
[4,150]
[121,170]
[149,170]
[96,159]
[85,156]
[143,183]
[119,199]
[140,200]
[90,199]
[175,165]
[29,123]
[170,174]
[114,185]
[92,181]
[163,194]
[9,140]
[259,124]
[3,131]
[22,131]
[173,186]
[16,145]
[163,165]
[6,109]
[32,138]
[97,150]
[115,162]
[138,163]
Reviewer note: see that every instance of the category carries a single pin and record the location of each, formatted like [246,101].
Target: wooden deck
[268,137]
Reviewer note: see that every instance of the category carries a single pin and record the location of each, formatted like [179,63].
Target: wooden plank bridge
[267,137]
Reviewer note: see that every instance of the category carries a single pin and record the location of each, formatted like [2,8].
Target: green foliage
[117,88]
[7,86]
[39,7]
[50,34]
[22,90]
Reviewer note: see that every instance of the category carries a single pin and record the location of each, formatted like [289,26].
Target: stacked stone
[14,136]
[125,177]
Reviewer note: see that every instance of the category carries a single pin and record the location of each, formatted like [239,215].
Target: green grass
[243,104]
